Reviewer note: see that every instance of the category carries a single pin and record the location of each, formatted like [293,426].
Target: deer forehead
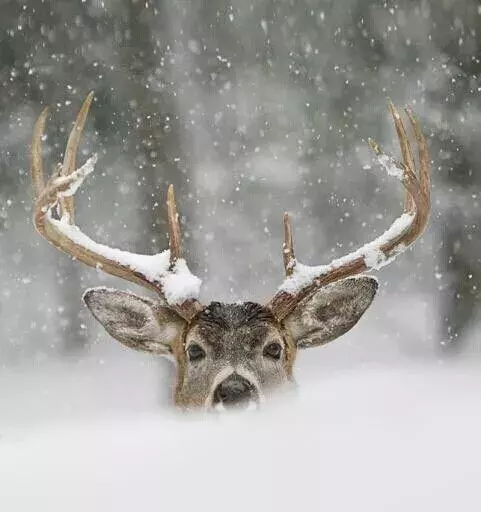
[234,327]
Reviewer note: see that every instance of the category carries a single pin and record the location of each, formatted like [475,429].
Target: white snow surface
[387,439]
[371,252]
[178,285]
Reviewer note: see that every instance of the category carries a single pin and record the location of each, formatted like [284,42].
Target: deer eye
[195,352]
[273,350]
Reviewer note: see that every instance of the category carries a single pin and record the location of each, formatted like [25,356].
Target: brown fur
[232,336]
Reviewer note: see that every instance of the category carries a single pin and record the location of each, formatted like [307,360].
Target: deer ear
[331,311]
[137,322]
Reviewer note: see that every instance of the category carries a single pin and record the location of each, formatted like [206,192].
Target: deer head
[226,354]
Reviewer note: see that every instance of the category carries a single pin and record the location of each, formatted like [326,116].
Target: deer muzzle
[235,392]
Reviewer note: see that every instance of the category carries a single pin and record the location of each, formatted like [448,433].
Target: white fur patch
[250,376]
[221,376]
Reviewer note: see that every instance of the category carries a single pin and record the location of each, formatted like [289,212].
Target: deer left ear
[137,322]
[331,311]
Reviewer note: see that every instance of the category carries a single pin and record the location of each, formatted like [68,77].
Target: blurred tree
[239,104]
[456,33]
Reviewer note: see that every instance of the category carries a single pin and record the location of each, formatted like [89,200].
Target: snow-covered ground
[393,438]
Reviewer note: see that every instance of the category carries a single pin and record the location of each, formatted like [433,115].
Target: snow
[178,284]
[77,177]
[390,166]
[371,252]
[387,162]
[397,439]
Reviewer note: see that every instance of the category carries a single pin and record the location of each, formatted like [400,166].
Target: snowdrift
[367,440]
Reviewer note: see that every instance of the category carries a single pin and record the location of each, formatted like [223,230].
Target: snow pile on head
[180,284]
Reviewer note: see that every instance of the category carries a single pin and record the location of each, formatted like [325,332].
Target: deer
[227,356]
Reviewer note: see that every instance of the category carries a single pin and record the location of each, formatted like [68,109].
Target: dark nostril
[234,390]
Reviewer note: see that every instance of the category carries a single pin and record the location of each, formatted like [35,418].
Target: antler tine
[36,162]
[304,281]
[152,272]
[288,247]
[406,151]
[68,167]
[424,177]
[174,227]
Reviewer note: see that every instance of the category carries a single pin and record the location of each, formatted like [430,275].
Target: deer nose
[235,391]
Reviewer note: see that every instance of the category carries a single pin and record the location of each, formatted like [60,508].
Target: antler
[302,281]
[165,273]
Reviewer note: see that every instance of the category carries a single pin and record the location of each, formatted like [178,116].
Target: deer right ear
[331,311]
[137,322]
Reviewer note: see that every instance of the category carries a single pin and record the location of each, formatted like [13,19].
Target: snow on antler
[166,273]
[371,252]
[178,284]
[302,280]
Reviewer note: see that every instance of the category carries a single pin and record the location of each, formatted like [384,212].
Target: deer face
[231,355]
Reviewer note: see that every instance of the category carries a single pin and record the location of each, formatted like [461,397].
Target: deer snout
[235,391]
